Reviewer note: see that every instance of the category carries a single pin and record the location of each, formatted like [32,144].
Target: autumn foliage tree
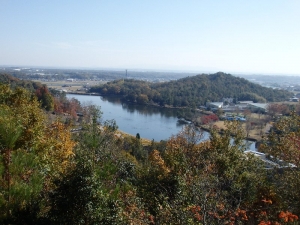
[208,119]
[21,129]
[45,97]
[282,146]
[23,132]
[216,178]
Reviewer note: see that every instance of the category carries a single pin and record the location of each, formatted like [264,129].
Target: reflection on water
[149,121]
[146,110]
[112,100]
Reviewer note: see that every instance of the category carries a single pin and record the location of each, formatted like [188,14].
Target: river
[149,121]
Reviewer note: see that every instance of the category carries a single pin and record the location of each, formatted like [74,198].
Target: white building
[259,106]
[214,105]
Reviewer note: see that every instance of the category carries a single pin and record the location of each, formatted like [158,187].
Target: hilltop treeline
[191,91]
[50,100]
[16,82]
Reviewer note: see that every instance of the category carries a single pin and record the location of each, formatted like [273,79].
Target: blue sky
[200,36]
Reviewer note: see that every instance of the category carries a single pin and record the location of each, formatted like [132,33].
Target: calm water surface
[149,121]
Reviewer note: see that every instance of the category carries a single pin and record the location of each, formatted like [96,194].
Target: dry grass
[145,142]
[256,132]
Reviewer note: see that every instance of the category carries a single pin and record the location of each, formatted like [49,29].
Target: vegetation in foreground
[52,176]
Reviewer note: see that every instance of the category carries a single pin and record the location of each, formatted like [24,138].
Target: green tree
[142,99]
[76,199]
[21,130]
[10,132]
[30,153]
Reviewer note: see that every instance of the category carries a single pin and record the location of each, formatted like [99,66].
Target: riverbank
[120,97]
[122,134]
[83,93]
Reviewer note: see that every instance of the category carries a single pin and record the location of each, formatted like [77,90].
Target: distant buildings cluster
[228,105]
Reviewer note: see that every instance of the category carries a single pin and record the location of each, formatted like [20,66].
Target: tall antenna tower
[126,74]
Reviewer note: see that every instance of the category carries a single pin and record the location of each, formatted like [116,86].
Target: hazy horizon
[144,70]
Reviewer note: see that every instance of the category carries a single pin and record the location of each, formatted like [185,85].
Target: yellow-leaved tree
[30,151]
[57,149]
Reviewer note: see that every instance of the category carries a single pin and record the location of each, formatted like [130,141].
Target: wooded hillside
[191,91]
[35,88]
[15,82]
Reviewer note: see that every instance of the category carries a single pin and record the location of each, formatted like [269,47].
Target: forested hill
[191,91]
[35,88]
[15,82]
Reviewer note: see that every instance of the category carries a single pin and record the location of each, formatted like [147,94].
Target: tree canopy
[35,88]
[191,91]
